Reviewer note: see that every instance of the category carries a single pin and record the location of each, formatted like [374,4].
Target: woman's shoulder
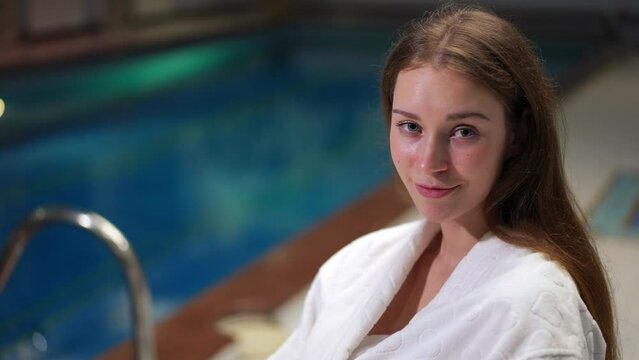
[530,279]
[528,275]
[541,301]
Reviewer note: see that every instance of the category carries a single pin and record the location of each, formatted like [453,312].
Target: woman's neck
[458,237]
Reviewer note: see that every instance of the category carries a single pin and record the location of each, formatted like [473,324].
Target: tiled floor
[602,122]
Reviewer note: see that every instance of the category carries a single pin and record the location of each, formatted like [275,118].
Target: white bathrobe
[500,302]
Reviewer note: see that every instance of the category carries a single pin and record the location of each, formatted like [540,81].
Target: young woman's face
[448,137]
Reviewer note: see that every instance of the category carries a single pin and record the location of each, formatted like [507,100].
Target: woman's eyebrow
[450,117]
[406,113]
[466,114]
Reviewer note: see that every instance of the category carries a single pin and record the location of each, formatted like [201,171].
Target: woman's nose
[433,155]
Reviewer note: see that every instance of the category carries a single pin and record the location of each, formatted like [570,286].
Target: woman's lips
[432,192]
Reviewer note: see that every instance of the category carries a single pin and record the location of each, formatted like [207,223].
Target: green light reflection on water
[56,95]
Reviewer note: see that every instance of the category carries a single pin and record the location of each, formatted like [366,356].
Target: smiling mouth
[432,192]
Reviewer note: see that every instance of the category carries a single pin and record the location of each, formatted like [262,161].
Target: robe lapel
[384,269]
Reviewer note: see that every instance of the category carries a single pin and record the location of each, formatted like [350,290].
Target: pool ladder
[143,342]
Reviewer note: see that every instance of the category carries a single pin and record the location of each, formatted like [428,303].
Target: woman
[502,266]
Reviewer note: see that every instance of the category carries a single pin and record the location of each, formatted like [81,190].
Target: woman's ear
[518,131]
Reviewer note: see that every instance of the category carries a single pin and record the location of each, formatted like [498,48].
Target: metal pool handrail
[144,342]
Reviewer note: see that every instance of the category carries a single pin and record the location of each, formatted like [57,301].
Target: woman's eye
[409,127]
[464,132]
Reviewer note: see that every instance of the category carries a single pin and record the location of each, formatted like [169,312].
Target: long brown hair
[530,204]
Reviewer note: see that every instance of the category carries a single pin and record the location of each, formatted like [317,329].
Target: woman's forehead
[430,87]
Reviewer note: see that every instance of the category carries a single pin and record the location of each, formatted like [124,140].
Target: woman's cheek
[401,152]
[464,158]
[472,160]
[478,164]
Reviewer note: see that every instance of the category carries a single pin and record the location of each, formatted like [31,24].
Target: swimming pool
[206,156]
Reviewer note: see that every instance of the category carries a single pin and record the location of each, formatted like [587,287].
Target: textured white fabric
[500,302]
[367,345]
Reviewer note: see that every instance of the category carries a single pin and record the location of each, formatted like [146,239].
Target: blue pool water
[206,156]
[617,212]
